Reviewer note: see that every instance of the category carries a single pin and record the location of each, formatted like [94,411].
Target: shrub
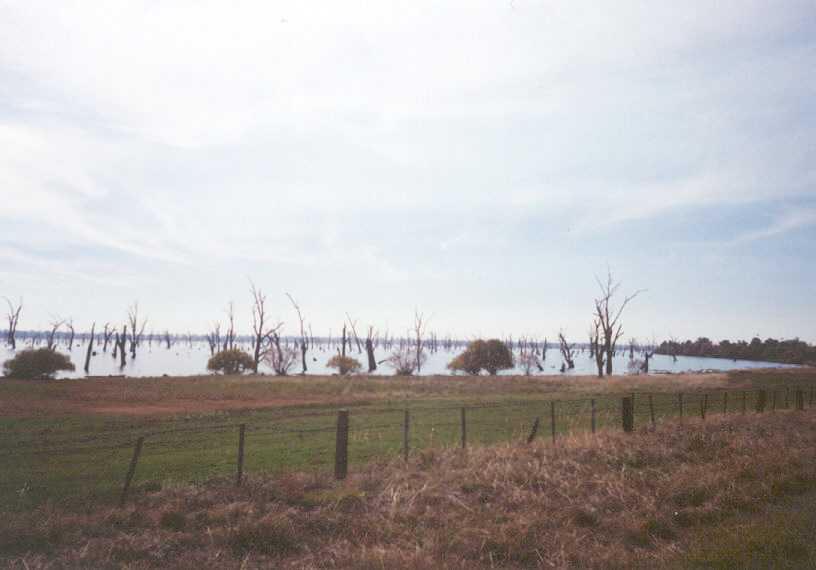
[231,361]
[344,364]
[491,355]
[404,360]
[281,362]
[40,363]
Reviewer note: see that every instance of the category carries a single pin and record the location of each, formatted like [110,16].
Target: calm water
[184,360]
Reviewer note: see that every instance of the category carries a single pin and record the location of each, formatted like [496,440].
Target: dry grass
[609,501]
[208,394]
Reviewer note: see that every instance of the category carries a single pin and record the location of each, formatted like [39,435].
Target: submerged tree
[303,339]
[263,333]
[566,352]
[608,317]
[13,319]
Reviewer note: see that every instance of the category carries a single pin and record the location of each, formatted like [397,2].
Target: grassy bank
[667,496]
[70,442]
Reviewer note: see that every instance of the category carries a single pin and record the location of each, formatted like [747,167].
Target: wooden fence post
[593,412]
[533,431]
[800,400]
[651,409]
[406,426]
[464,428]
[341,445]
[628,414]
[552,420]
[773,400]
[241,435]
[703,405]
[725,403]
[743,402]
[680,400]
[762,399]
[137,451]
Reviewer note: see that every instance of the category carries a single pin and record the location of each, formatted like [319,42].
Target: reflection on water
[187,360]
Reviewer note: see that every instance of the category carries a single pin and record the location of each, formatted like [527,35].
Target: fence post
[773,400]
[800,400]
[241,435]
[703,405]
[628,413]
[593,412]
[464,428]
[762,399]
[406,426]
[725,403]
[680,400]
[552,420]
[341,445]
[137,451]
[651,409]
[743,402]
[533,431]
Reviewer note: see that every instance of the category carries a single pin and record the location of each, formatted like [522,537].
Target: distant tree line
[793,351]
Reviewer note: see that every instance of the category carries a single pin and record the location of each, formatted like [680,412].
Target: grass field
[729,492]
[71,442]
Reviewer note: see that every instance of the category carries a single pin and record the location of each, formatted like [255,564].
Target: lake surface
[182,359]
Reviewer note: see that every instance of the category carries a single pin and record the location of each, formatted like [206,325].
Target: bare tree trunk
[13,320]
[122,339]
[70,325]
[609,318]
[369,345]
[90,349]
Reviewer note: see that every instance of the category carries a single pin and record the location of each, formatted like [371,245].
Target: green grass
[79,459]
[779,537]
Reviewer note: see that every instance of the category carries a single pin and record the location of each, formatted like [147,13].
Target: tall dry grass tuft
[605,501]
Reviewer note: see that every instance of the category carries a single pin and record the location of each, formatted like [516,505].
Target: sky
[481,162]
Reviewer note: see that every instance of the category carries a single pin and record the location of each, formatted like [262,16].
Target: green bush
[344,364]
[231,361]
[491,355]
[40,363]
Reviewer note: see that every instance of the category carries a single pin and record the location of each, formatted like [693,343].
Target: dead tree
[566,351]
[369,345]
[229,337]
[303,338]
[353,326]
[106,337]
[55,326]
[632,345]
[13,318]
[648,353]
[136,331]
[90,349]
[419,330]
[214,338]
[70,324]
[595,348]
[608,317]
[120,345]
[263,333]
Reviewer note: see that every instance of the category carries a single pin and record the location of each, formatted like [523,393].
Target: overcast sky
[482,161]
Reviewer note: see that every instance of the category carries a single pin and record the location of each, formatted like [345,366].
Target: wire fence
[109,467]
